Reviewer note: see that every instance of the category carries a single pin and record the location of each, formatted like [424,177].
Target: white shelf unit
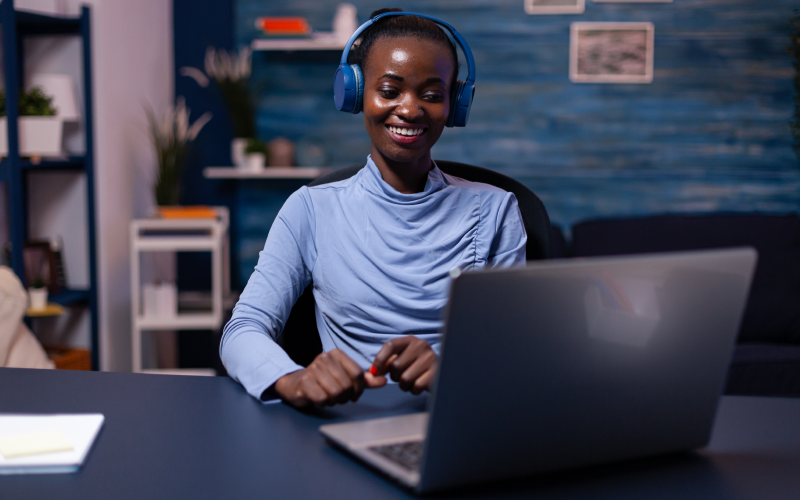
[266,173]
[179,235]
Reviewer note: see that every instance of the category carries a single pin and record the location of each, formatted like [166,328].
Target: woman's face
[407,96]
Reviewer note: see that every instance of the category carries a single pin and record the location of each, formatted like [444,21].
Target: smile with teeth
[409,132]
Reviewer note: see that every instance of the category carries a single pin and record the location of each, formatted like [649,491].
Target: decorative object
[37,294]
[794,51]
[40,263]
[283,26]
[345,21]
[281,152]
[230,72]
[256,153]
[62,90]
[611,52]
[188,212]
[40,131]
[172,138]
[160,300]
[534,7]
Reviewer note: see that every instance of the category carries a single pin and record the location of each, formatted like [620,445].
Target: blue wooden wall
[709,134]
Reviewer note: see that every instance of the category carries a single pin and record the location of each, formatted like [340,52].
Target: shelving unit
[184,235]
[14,170]
[266,173]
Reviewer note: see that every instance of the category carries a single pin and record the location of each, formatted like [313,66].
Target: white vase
[37,298]
[160,300]
[238,157]
[38,136]
[256,162]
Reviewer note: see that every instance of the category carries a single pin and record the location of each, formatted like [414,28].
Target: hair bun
[384,11]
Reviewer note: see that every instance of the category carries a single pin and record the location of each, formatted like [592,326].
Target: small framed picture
[534,7]
[41,267]
[611,52]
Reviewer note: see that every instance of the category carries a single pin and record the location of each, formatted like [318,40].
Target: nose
[408,108]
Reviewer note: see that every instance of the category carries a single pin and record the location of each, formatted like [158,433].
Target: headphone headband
[456,35]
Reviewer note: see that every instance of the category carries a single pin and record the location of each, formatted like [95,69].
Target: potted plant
[230,72]
[256,153]
[40,131]
[172,136]
[37,293]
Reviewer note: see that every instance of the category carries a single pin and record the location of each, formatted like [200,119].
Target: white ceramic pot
[238,157]
[38,136]
[37,298]
[160,300]
[256,162]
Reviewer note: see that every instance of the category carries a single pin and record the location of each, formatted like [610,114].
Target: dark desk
[196,437]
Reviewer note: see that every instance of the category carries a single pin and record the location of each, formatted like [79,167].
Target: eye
[388,93]
[433,96]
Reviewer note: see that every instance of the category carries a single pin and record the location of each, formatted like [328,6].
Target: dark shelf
[70,297]
[29,23]
[71,163]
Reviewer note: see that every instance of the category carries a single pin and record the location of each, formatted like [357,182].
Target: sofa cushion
[773,308]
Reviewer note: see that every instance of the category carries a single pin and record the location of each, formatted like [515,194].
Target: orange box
[188,212]
[283,26]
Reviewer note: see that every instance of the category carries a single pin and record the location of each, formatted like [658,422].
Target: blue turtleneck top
[379,260]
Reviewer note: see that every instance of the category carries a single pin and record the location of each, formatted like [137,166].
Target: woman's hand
[332,378]
[410,361]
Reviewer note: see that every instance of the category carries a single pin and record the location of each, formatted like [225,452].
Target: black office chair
[300,337]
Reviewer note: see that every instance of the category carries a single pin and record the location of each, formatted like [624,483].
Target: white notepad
[38,444]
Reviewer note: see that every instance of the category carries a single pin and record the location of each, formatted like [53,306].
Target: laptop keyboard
[407,454]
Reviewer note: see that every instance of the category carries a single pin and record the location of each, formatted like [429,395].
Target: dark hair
[399,27]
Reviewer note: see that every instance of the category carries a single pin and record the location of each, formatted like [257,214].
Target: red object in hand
[373,370]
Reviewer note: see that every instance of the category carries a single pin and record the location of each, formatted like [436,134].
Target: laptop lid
[569,363]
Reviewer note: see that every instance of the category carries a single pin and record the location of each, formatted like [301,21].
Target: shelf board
[183,321]
[290,44]
[70,297]
[50,310]
[31,23]
[266,173]
[70,163]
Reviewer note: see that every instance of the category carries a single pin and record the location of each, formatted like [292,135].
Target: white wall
[132,58]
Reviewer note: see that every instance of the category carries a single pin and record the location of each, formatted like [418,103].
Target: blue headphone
[348,84]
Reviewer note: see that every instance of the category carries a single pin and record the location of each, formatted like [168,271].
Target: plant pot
[256,162]
[37,298]
[238,157]
[160,300]
[38,136]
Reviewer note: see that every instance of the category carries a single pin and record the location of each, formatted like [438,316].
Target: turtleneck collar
[372,180]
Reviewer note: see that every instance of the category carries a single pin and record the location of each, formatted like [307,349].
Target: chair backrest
[300,337]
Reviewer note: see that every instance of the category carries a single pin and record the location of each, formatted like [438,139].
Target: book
[46,444]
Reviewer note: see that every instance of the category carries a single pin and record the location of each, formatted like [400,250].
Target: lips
[406,134]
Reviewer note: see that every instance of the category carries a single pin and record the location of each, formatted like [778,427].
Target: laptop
[565,364]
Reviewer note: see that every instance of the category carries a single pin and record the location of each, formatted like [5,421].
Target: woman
[378,246]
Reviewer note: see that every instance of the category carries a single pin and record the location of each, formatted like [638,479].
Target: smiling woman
[379,246]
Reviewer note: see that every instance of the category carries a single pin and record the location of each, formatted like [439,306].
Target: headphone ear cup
[359,89]
[455,99]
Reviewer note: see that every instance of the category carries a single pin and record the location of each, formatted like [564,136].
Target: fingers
[333,378]
[410,361]
[389,349]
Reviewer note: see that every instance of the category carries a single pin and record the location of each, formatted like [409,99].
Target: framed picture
[534,7]
[41,264]
[611,52]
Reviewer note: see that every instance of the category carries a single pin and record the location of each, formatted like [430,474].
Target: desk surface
[204,437]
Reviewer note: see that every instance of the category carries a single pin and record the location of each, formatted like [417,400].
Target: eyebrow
[400,78]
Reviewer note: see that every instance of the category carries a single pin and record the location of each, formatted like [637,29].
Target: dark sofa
[767,356]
